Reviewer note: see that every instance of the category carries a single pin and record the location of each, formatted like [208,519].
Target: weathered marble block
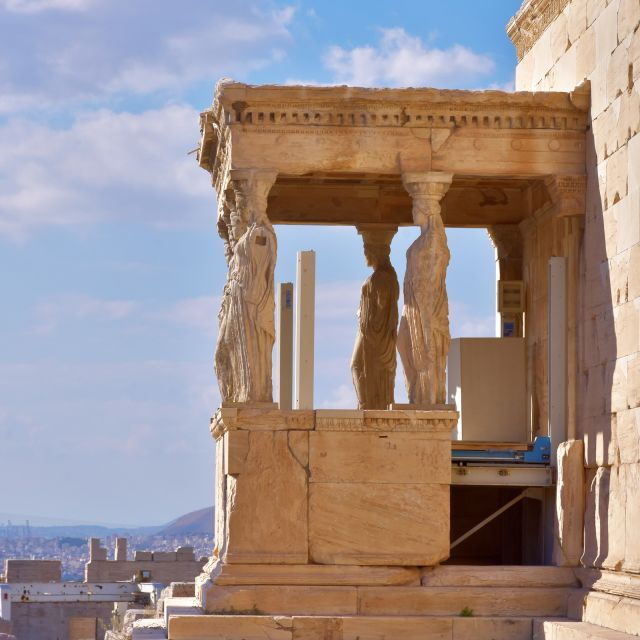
[367,488]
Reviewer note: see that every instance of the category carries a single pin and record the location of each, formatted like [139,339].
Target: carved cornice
[533,18]
[252,417]
[428,114]
[568,194]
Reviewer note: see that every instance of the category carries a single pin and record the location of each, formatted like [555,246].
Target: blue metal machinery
[537,453]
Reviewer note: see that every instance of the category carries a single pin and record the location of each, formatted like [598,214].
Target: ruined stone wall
[561,44]
[160,570]
[33,571]
[51,620]
[162,566]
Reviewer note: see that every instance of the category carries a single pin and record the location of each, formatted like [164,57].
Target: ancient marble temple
[354,523]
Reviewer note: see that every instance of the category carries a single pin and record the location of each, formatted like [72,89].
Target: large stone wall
[160,566]
[33,571]
[562,44]
[51,620]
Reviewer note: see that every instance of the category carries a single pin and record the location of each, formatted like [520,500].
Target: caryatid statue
[373,365]
[423,336]
[247,327]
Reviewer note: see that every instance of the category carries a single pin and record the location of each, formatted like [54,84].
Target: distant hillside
[77,531]
[200,521]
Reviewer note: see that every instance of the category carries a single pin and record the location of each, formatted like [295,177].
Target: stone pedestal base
[379,603]
[312,504]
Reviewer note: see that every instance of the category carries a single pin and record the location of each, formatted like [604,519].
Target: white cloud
[109,50]
[401,59]
[36,6]
[105,166]
[510,85]
[56,310]
[342,397]
[199,313]
[467,323]
[338,300]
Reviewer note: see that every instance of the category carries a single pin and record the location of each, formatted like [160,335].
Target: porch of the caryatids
[246,320]
[423,336]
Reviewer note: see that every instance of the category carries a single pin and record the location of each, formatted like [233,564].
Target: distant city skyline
[113,268]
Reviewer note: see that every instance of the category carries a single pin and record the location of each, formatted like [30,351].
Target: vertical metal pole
[557,306]
[305,317]
[284,354]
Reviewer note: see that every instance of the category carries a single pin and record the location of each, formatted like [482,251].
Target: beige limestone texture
[573,630]
[373,364]
[371,628]
[576,19]
[236,449]
[315,575]
[383,457]
[498,576]
[633,381]
[473,628]
[484,601]
[266,504]
[247,627]
[607,47]
[161,569]
[16,570]
[615,612]
[596,517]
[333,130]
[371,524]
[251,418]
[282,600]
[437,423]
[559,37]
[570,503]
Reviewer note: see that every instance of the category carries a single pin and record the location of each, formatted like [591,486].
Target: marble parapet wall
[302,491]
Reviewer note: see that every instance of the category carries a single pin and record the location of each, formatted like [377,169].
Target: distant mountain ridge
[200,521]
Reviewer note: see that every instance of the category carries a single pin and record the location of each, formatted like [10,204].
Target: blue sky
[111,266]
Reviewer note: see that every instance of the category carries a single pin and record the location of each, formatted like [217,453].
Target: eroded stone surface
[281,600]
[483,601]
[474,628]
[384,457]
[570,503]
[222,627]
[371,524]
[266,504]
[371,628]
[315,575]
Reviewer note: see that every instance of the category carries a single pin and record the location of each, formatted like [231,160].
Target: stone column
[121,550]
[568,195]
[423,337]
[373,364]
[508,242]
[247,325]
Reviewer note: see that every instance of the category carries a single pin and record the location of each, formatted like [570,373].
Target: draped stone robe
[423,337]
[373,364]
[247,332]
